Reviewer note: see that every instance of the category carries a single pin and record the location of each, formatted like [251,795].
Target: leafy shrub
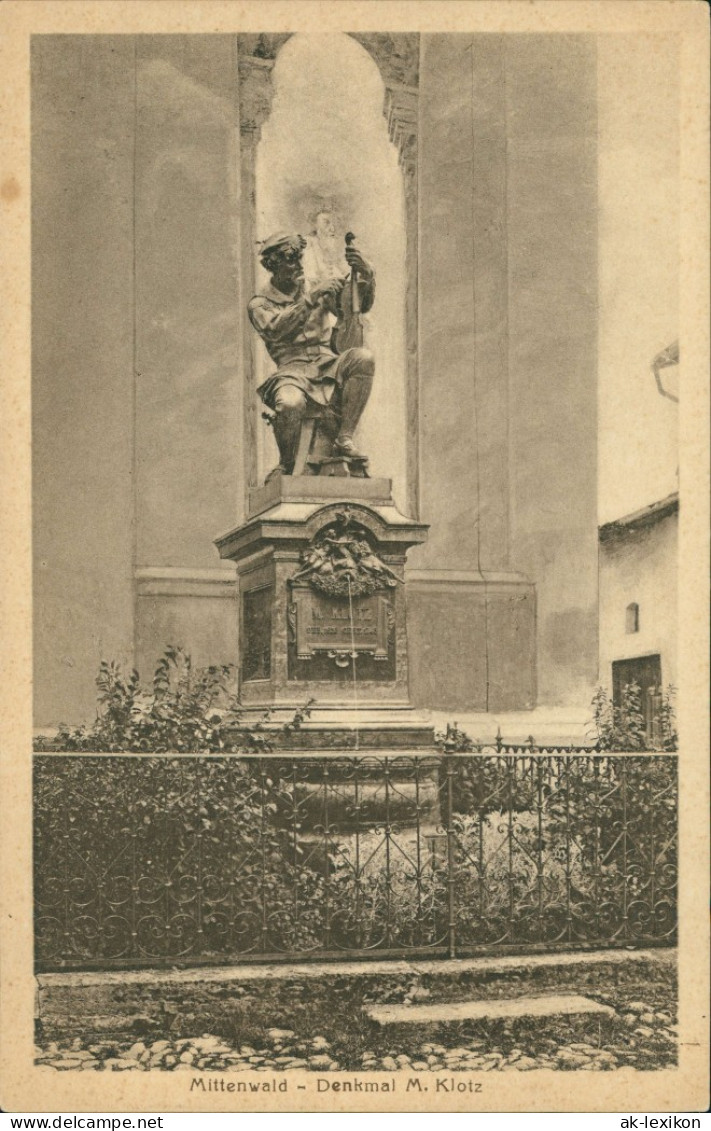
[186,710]
[623,726]
[167,856]
[193,833]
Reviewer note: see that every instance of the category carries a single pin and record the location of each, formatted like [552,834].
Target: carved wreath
[340,561]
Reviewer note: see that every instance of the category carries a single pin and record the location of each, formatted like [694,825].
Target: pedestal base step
[341,729]
[332,740]
[319,489]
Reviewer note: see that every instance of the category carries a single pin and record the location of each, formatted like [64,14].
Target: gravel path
[642,1038]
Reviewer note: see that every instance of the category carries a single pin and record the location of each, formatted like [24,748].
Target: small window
[632,618]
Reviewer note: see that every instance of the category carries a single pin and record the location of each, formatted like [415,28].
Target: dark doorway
[646,672]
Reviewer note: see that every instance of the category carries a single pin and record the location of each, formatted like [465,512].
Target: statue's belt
[308,355]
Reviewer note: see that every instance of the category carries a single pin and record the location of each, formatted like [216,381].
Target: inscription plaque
[257,633]
[326,624]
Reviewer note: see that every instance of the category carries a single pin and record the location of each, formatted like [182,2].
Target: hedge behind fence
[161,859]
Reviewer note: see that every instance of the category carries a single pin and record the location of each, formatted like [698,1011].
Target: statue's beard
[289,281]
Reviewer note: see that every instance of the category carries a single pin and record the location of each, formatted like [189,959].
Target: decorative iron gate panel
[149,860]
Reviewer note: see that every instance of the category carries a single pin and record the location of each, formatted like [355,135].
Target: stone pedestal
[320,564]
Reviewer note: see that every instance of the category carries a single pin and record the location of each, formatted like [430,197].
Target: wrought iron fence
[150,860]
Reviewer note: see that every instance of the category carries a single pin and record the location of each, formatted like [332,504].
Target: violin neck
[355,293]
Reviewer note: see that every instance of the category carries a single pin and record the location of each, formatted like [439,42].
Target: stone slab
[550,1005]
[318,488]
[294,971]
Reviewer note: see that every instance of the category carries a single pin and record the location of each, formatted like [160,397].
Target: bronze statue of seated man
[315,338]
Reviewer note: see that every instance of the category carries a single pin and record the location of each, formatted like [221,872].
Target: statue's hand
[357,263]
[328,291]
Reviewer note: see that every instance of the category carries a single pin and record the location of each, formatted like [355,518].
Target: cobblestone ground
[641,1038]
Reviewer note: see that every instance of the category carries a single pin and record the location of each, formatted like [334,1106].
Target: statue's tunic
[299,339]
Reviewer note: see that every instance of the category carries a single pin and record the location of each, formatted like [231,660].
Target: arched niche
[397,54]
[314,140]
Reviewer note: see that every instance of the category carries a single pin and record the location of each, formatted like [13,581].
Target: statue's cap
[282,241]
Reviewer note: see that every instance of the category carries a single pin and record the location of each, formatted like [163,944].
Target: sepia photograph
[358,699]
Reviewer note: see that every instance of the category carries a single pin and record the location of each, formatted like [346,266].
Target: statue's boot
[287,430]
[354,397]
[347,449]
